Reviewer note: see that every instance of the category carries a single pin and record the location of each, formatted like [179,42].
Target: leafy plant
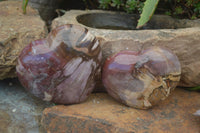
[184,8]
[177,8]
[24,5]
[148,11]
[130,6]
[195,88]
[133,5]
[197,8]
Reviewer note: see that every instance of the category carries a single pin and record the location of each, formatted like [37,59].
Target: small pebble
[10,84]
[197,113]
[14,110]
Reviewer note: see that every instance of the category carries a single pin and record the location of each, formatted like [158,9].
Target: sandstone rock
[16,31]
[100,113]
[181,36]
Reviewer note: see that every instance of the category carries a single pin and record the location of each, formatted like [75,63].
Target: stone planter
[116,32]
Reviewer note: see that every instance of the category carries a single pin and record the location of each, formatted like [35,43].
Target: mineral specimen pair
[62,68]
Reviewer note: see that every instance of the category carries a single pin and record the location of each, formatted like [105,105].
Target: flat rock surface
[184,42]
[101,114]
[16,31]
[20,112]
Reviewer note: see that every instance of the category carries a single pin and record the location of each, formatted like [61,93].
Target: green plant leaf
[130,5]
[25,2]
[194,88]
[104,4]
[178,10]
[147,12]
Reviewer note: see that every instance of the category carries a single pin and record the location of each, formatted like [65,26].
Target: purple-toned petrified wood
[61,68]
[141,79]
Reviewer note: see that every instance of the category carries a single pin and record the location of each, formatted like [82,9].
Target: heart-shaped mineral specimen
[62,67]
[141,79]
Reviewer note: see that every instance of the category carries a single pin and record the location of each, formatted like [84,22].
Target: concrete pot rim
[73,14]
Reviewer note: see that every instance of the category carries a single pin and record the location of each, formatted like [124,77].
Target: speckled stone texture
[141,79]
[62,67]
[16,31]
[101,114]
[184,42]
[20,112]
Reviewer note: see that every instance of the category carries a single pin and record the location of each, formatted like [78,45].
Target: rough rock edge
[17,30]
[172,115]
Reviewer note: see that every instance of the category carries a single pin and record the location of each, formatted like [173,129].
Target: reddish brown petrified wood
[62,67]
[141,79]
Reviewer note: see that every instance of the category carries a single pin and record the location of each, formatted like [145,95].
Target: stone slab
[101,114]
[20,112]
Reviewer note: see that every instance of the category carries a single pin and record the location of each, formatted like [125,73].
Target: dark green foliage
[194,88]
[134,5]
[177,8]
[147,12]
[24,4]
[184,8]
[91,4]
[130,6]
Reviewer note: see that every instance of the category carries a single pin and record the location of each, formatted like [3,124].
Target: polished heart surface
[141,79]
[61,68]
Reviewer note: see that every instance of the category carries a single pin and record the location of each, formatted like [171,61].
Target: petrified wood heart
[141,79]
[61,68]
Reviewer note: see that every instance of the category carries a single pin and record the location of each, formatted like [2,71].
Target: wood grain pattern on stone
[143,79]
[100,113]
[16,31]
[62,67]
[182,37]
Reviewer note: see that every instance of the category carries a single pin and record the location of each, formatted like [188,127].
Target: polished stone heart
[61,68]
[141,79]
